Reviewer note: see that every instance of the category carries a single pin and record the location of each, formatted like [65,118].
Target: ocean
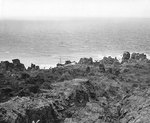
[45,42]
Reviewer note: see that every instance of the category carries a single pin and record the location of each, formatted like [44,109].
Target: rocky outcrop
[137,107]
[138,56]
[108,60]
[113,92]
[15,66]
[126,57]
[16,61]
[33,67]
[87,61]
[134,57]
[50,107]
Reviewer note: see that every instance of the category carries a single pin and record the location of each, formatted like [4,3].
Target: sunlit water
[45,42]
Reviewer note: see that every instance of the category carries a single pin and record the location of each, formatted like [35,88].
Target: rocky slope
[104,91]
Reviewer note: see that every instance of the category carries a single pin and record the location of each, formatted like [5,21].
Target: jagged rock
[136,108]
[6,66]
[108,60]
[16,61]
[15,66]
[138,56]
[126,57]
[33,67]
[61,102]
[89,114]
[86,61]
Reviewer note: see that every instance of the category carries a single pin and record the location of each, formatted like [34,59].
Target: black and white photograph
[74,61]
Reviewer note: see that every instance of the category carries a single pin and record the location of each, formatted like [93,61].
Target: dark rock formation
[33,67]
[87,61]
[126,57]
[108,60]
[16,61]
[15,66]
[138,56]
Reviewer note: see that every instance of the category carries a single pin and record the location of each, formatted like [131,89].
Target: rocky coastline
[104,91]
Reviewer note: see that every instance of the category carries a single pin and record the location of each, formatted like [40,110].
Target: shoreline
[39,60]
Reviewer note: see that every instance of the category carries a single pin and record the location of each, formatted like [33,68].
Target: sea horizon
[44,42]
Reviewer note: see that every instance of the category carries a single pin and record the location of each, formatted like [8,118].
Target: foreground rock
[50,107]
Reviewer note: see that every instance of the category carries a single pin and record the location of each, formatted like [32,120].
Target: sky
[49,9]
